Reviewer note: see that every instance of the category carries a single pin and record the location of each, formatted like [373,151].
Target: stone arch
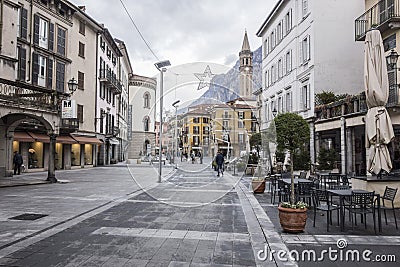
[45,123]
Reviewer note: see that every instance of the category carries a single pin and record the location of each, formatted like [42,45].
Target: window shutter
[49,73]
[60,77]
[24,23]
[35,69]
[36,29]
[22,64]
[61,41]
[51,36]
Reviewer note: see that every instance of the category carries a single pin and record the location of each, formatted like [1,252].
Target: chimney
[82,8]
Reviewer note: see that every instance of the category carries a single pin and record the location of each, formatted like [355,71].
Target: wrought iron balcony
[384,15]
[69,125]
[22,94]
[110,79]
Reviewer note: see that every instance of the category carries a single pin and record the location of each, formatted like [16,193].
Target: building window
[280,71]
[102,90]
[42,71]
[266,79]
[288,62]
[23,23]
[241,138]
[81,80]
[266,110]
[196,120]
[102,44]
[205,120]
[288,102]
[60,77]
[196,130]
[81,52]
[146,124]
[288,20]
[272,40]
[61,40]
[240,124]
[21,75]
[304,7]
[196,140]
[82,27]
[280,104]
[80,113]
[43,33]
[225,124]
[146,99]
[390,42]
[279,33]
[305,49]
[241,115]
[266,47]
[272,74]
[305,96]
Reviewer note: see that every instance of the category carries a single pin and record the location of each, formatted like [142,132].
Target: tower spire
[245,45]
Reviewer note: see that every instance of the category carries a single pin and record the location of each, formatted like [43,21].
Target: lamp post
[175,153]
[161,67]
[392,58]
[72,85]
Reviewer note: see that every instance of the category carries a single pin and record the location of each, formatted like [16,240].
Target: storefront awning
[23,137]
[39,137]
[66,139]
[86,139]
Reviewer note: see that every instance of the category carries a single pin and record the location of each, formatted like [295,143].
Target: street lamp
[392,58]
[274,112]
[175,105]
[161,67]
[72,85]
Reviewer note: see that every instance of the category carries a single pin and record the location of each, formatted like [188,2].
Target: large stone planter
[292,220]
[258,186]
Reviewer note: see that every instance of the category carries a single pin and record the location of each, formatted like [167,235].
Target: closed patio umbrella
[378,126]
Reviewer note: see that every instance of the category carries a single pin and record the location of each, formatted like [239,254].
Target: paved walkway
[121,216]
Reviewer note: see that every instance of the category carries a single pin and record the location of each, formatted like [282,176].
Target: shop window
[88,154]
[75,155]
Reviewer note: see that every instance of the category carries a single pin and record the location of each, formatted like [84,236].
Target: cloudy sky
[182,31]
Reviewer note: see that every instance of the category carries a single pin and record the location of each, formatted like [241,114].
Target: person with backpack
[219,159]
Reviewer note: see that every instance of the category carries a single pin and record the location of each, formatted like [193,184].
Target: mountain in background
[225,87]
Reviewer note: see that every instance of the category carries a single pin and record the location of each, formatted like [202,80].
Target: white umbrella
[378,126]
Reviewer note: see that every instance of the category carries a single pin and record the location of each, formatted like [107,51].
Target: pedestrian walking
[17,160]
[193,156]
[219,159]
[201,157]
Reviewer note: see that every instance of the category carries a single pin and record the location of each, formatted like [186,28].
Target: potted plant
[258,185]
[293,217]
[292,134]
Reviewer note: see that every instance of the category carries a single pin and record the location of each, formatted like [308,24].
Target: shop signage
[68,109]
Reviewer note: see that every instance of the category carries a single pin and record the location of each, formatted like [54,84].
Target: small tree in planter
[292,133]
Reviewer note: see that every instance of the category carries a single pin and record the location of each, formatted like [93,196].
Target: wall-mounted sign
[68,109]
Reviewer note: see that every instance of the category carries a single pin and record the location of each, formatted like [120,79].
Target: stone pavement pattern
[194,218]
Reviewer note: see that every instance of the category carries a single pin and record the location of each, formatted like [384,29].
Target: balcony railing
[379,16]
[21,94]
[350,105]
[69,125]
[110,78]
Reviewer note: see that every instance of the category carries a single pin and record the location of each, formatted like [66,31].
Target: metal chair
[284,191]
[363,204]
[344,180]
[304,192]
[273,188]
[321,201]
[389,195]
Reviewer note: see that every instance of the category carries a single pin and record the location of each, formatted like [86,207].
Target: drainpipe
[1,23]
[30,43]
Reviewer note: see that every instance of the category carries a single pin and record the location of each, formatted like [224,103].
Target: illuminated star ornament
[205,78]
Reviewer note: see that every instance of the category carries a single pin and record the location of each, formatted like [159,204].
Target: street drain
[28,217]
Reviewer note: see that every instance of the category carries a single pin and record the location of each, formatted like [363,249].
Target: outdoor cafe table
[296,180]
[347,193]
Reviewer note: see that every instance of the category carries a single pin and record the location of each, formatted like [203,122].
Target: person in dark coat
[219,159]
[18,161]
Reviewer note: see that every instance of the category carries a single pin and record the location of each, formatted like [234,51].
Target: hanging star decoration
[205,78]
